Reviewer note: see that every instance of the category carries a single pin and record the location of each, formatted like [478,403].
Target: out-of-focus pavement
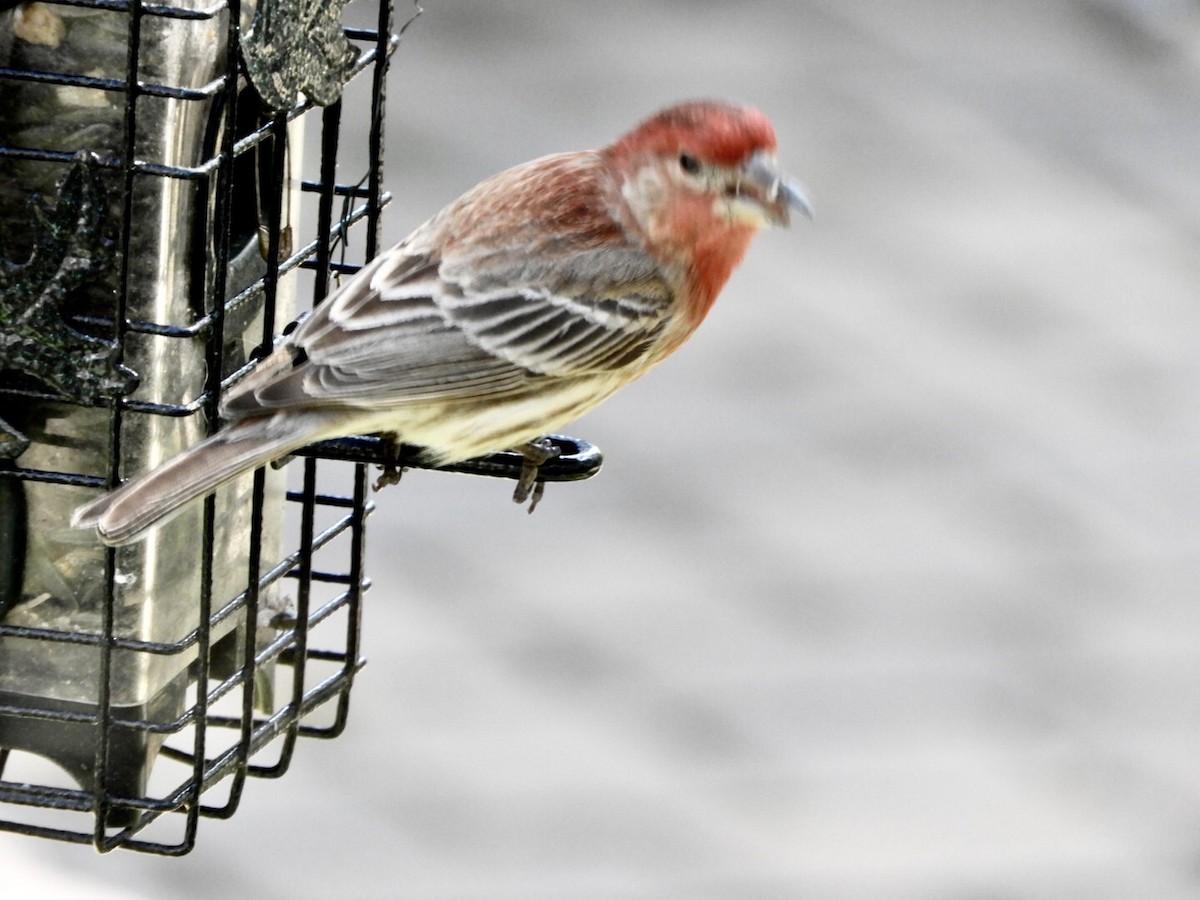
[888,588]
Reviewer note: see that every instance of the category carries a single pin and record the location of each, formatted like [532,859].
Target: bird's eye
[689,163]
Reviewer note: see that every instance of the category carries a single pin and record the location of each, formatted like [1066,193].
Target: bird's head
[706,164]
[700,179]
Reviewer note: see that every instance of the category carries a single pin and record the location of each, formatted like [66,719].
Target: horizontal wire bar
[163,10]
[116,85]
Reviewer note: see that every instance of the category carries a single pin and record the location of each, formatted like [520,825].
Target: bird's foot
[391,469]
[529,486]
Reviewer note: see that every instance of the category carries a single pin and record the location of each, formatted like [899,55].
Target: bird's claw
[529,486]
[391,469]
[389,476]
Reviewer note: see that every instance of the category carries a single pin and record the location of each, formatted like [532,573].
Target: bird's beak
[779,195]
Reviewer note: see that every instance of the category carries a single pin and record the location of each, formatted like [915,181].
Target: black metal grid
[220,731]
[258,676]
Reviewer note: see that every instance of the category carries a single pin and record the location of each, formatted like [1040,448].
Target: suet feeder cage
[174,189]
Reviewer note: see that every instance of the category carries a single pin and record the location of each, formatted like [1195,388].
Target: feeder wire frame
[324,593]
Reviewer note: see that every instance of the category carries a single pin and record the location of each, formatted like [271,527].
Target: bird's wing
[413,327]
[592,310]
[529,275]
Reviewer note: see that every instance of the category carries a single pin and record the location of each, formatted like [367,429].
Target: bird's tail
[128,513]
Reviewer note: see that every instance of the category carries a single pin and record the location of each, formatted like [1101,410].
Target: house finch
[513,311]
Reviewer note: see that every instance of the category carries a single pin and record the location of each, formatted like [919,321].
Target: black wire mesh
[155,202]
[273,660]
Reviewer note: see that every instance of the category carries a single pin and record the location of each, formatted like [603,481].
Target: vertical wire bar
[299,648]
[213,352]
[275,202]
[331,120]
[375,142]
[303,599]
[100,798]
[274,213]
[358,586]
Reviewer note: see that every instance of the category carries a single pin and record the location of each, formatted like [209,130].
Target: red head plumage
[711,130]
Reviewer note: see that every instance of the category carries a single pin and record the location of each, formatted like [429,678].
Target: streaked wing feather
[584,311]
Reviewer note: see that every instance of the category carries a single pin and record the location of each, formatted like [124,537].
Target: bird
[510,313]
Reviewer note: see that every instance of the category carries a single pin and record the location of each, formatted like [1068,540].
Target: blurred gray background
[888,588]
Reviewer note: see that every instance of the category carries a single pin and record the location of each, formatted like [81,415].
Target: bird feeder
[168,203]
